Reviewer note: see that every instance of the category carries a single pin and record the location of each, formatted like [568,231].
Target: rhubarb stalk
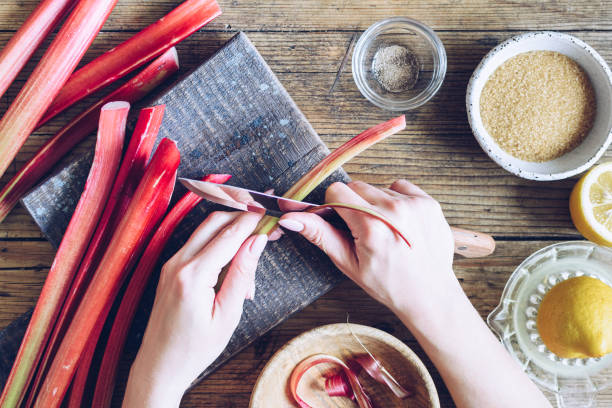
[81,126]
[180,23]
[334,161]
[50,74]
[131,171]
[116,340]
[76,238]
[145,210]
[28,38]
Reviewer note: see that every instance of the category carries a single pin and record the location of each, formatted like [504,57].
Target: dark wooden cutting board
[231,115]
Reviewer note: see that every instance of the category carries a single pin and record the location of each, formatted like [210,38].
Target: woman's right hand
[418,284]
[401,277]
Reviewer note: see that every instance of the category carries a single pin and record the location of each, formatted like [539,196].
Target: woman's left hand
[190,324]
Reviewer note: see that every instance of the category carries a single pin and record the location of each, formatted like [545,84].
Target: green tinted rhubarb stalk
[30,35]
[76,238]
[173,28]
[50,74]
[81,126]
[131,171]
[334,161]
[116,340]
[143,213]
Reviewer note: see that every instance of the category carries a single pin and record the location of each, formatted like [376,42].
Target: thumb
[338,245]
[239,283]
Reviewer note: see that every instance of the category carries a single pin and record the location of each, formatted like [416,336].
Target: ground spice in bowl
[538,105]
[395,68]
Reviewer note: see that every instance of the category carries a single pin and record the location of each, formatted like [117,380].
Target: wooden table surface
[304,42]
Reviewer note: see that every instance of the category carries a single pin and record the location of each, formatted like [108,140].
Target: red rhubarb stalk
[50,74]
[116,340]
[180,23]
[97,189]
[333,161]
[81,126]
[28,38]
[131,171]
[142,215]
[126,183]
[77,389]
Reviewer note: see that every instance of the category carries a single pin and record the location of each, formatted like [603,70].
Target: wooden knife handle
[472,244]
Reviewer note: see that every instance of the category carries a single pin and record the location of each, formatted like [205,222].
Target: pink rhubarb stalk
[50,74]
[180,23]
[81,126]
[28,38]
[129,175]
[334,161]
[86,215]
[142,215]
[116,340]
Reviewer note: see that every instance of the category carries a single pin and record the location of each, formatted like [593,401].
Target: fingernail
[259,244]
[291,225]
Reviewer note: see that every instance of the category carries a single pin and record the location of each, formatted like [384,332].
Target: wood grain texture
[304,44]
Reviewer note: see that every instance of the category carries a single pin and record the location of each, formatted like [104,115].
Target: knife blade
[244,199]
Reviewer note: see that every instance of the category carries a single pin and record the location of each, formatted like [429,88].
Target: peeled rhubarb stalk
[76,238]
[82,126]
[145,210]
[28,38]
[50,74]
[116,340]
[173,28]
[131,171]
[334,161]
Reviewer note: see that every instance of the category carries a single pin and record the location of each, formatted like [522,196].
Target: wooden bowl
[272,386]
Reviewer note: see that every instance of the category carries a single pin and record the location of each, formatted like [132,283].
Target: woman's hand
[190,324]
[378,260]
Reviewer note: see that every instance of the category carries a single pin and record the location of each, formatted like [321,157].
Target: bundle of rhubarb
[117,218]
[53,87]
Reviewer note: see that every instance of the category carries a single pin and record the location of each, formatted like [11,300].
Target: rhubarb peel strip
[105,383]
[131,234]
[363,210]
[109,147]
[360,396]
[180,23]
[81,126]
[132,168]
[332,162]
[50,74]
[28,38]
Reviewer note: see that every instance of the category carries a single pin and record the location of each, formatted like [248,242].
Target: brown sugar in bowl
[272,389]
[594,144]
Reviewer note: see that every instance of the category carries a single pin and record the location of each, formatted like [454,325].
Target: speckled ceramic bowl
[593,146]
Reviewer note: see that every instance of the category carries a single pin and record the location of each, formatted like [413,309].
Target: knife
[468,243]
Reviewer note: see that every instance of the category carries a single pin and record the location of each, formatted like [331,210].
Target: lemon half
[591,205]
[575,318]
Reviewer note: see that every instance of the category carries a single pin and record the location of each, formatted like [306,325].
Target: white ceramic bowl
[592,147]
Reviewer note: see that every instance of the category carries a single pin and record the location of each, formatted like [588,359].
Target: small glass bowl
[421,41]
[574,382]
